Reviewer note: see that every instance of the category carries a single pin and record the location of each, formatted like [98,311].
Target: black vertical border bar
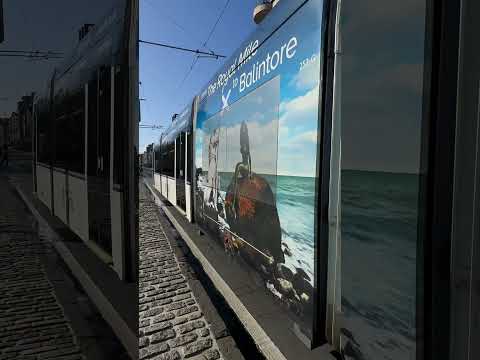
[193,166]
[435,197]
[53,138]
[130,148]
[2,23]
[322,184]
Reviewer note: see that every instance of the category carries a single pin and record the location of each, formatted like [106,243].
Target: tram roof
[182,123]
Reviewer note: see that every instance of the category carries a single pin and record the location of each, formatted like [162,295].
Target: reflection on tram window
[383,44]
[44,142]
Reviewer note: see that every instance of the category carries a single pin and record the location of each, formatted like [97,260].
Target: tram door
[180,170]
[99,123]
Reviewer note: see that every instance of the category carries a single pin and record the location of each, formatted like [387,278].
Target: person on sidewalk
[5,155]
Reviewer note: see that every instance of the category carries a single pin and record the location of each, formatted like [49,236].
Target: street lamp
[261,10]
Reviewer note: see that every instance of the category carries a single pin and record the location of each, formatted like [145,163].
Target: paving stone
[197,347]
[190,326]
[212,354]
[183,339]
[174,355]
[204,332]
[163,286]
[162,335]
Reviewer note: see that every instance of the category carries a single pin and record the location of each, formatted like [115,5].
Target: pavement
[176,318]
[44,312]
[33,324]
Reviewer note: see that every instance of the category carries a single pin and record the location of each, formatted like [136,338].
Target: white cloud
[308,77]
[300,108]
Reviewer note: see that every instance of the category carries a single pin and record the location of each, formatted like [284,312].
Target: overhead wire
[205,43]
[181,27]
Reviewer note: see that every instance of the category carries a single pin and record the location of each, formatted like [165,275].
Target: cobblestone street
[32,321]
[172,325]
[44,312]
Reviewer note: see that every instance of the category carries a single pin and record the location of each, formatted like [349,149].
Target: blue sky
[183,23]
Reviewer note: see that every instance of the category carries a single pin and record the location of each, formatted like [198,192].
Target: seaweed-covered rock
[282,271]
[285,287]
[302,273]
[302,285]
[286,249]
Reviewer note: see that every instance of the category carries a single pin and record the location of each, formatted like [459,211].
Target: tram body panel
[116,199]
[164,186]
[78,205]
[157,181]
[44,185]
[172,190]
[189,205]
[60,194]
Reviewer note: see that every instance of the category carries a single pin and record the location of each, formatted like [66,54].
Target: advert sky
[167,84]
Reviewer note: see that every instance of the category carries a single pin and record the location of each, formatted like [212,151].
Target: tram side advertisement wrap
[255,156]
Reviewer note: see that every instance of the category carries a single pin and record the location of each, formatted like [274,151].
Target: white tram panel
[188,207]
[157,181]
[164,189]
[44,185]
[172,190]
[78,205]
[60,194]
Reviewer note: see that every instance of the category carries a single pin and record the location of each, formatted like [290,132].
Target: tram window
[119,126]
[92,162]
[104,120]
[381,116]
[158,159]
[168,158]
[44,142]
[62,141]
[189,157]
[180,156]
[76,128]
[70,130]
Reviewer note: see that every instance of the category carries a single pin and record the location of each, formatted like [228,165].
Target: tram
[81,172]
[236,158]
[173,159]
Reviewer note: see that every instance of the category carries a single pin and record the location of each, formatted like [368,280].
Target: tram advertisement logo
[256,72]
